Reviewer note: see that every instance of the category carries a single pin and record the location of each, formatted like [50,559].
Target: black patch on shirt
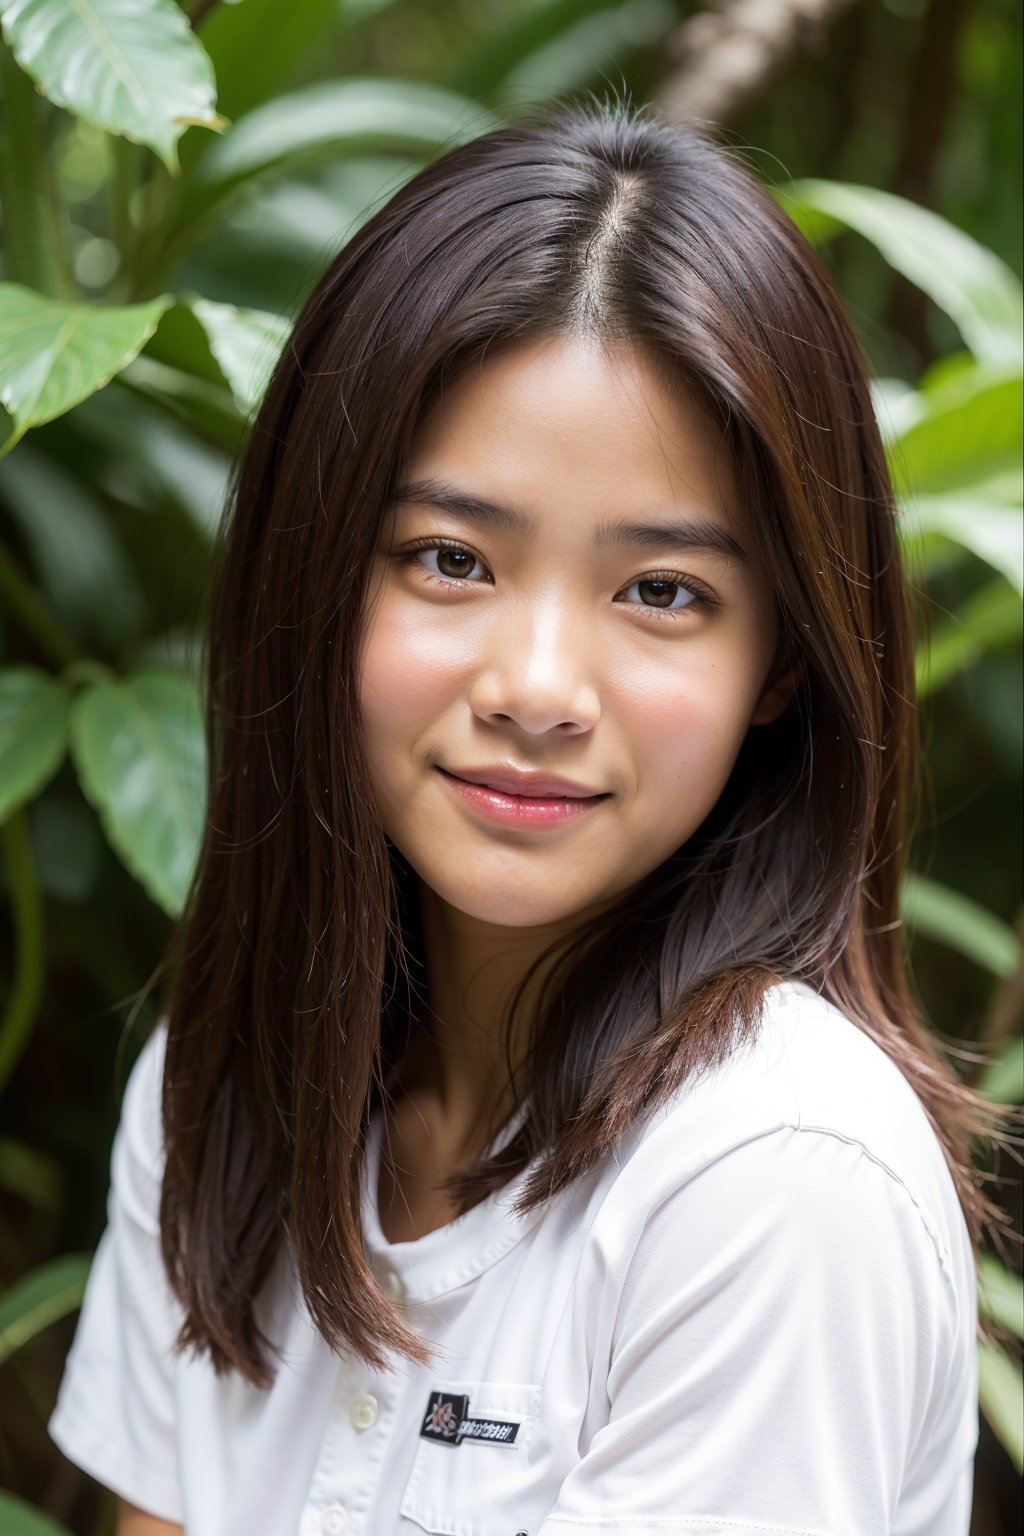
[449,1421]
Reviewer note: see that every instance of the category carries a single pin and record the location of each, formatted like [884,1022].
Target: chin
[511,905]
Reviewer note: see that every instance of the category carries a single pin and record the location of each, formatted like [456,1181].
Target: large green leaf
[968,282]
[223,343]
[953,919]
[40,1298]
[968,430]
[140,751]
[335,117]
[53,355]
[19,1519]
[134,67]
[33,734]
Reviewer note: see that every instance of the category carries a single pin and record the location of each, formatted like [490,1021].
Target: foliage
[150,275]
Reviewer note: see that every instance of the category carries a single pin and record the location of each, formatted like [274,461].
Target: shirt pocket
[471,1475]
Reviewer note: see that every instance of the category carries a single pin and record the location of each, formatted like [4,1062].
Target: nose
[538,673]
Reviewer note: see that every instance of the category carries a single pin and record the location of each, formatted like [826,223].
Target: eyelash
[702,596]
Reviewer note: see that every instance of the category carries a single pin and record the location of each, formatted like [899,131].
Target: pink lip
[522,799]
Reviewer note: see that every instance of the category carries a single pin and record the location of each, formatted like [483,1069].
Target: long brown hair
[296,965]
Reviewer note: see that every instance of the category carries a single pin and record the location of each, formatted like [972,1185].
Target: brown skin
[135,1522]
[549,653]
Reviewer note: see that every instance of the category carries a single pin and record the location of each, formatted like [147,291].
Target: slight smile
[522,799]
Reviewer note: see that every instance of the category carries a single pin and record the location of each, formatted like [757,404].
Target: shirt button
[333,1520]
[363,1412]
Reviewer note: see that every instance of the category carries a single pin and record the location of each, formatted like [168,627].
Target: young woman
[540,1137]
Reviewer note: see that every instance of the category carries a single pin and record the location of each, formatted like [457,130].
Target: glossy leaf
[53,355]
[968,282]
[222,343]
[33,734]
[134,67]
[953,919]
[140,752]
[40,1298]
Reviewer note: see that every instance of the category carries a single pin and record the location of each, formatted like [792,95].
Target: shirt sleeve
[784,1326]
[115,1415]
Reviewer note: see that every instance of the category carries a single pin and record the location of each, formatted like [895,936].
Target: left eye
[659,592]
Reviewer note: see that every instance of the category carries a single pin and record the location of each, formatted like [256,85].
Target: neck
[458,1060]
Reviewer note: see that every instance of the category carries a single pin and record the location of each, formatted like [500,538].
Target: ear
[780,686]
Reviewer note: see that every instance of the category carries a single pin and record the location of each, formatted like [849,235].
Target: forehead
[571,421]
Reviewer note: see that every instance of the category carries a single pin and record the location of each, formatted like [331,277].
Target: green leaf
[979,292]
[1001,1294]
[222,343]
[40,1298]
[19,1519]
[134,67]
[992,532]
[336,117]
[955,920]
[968,430]
[53,355]
[33,734]
[140,751]
[1003,1079]
[990,620]
[1001,1395]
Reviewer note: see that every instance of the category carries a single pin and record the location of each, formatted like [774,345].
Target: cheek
[407,675]
[687,722]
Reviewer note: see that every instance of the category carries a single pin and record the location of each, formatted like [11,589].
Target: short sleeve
[785,1326]
[115,1413]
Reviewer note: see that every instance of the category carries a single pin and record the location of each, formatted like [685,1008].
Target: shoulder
[808,1118]
[137,1156]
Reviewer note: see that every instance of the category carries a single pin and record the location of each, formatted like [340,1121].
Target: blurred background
[162,223]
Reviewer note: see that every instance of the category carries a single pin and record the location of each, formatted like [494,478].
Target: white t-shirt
[758,1316]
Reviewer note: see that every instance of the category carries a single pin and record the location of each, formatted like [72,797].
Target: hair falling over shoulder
[295,967]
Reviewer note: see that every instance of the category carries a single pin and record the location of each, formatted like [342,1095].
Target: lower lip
[520,810]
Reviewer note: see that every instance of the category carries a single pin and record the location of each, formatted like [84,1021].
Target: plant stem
[27,918]
[22,601]
[30,254]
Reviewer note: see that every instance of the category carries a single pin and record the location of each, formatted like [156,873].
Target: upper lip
[519,781]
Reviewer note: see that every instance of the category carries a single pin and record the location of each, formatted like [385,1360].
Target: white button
[333,1520]
[393,1285]
[363,1412]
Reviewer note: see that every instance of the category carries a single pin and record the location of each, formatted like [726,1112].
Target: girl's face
[570,635]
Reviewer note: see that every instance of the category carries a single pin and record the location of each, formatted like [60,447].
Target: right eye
[445,561]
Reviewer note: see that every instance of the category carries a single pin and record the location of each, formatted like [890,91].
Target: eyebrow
[679,533]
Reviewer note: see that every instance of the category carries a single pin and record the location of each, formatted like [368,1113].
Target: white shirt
[758,1317]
